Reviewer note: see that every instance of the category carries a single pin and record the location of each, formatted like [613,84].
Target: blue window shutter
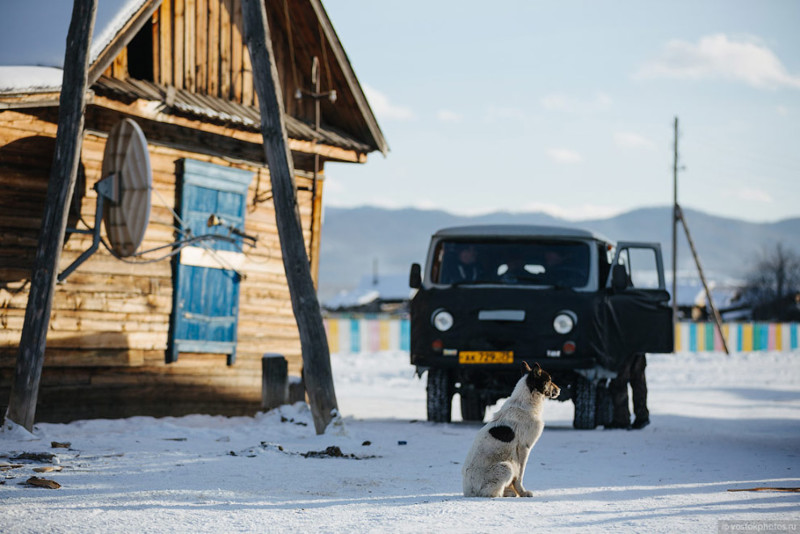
[206,298]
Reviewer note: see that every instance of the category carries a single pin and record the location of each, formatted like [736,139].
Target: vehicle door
[638,317]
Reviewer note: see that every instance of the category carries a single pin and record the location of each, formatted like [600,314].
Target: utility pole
[314,343]
[71,105]
[677,216]
[675,229]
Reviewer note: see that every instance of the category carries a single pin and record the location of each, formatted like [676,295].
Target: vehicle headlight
[442,320]
[564,322]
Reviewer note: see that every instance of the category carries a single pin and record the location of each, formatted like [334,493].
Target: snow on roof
[33,37]
[385,287]
[30,79]
[724,294]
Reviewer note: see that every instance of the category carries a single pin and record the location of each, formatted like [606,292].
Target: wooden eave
[350,77]
[218,116]
[30,100]
[301,30]
[121,39]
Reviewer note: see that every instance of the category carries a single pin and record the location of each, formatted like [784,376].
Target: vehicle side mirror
[619,278]
[415,278]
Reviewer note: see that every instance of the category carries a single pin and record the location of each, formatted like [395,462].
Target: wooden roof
[197,48]
[214,109]
[346,75]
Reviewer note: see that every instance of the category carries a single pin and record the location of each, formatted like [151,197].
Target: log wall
[110,322]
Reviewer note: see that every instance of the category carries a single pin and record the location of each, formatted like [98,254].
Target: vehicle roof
[519,230]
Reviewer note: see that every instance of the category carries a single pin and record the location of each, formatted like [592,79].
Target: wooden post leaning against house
[313,341]
[28,371]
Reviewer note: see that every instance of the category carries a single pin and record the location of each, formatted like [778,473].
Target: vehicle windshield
[560,264]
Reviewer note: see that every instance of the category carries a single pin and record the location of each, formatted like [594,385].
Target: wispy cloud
[630,140]
[445,115]
[575,213]
[564,155]
[752,194]
[333,187]
[502,113]
[744,59]
[385,109]
[555,102]
[392,203]
[572,104]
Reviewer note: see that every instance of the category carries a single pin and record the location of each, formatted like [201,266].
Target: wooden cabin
[120,340]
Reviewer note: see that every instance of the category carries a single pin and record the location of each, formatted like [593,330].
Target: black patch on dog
[502,433]
[537,379]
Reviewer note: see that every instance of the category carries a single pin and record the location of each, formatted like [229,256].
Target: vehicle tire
[440,395]
[473,408]
[585,400]
[605,406]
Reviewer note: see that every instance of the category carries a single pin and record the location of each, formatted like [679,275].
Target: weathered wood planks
[111,319]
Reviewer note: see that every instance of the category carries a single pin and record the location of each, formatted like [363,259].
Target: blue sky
[568,106]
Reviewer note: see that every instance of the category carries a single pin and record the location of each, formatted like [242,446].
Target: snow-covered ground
[718,423]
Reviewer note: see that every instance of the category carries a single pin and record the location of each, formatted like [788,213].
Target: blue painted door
[206,293]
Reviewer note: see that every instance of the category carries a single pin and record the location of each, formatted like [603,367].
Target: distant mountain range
[356,241]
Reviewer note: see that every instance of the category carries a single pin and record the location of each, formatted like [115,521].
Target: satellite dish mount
[123,194]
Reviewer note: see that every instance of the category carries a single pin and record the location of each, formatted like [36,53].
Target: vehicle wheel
[585,400]
[440,395]
[605,406]
[473,408]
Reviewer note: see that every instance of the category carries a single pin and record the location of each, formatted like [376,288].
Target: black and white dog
[496,462]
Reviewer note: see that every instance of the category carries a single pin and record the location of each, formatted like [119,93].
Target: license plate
[484,356]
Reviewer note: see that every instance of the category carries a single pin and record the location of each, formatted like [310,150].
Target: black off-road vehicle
[573,301]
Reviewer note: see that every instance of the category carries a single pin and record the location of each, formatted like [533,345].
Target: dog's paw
[526,493]
[509,492]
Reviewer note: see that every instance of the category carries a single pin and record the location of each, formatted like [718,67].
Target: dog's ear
[525,368]
[537,370]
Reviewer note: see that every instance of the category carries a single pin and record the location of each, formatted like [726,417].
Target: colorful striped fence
[379,333]
[740,337]
[367,334]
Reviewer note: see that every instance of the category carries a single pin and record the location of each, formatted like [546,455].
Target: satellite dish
[126,216]
[123,194]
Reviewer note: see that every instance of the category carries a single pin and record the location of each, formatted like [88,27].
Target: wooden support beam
[165,43]
[201,35]
[28,371]
[178,7]
[714,311]
[313,341]
[212,76]
[225,49]
[189,46]
[237,50]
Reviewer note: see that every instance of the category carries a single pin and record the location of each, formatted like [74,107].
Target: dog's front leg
[517,482]
[522,492]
